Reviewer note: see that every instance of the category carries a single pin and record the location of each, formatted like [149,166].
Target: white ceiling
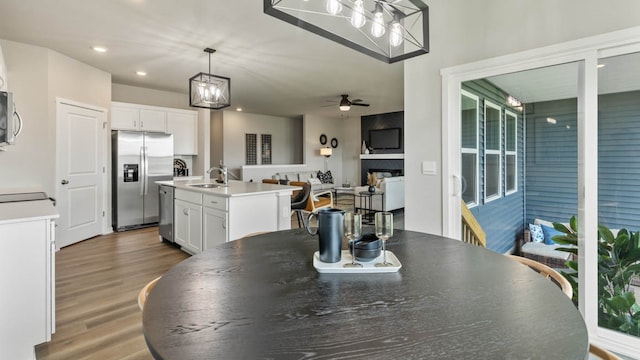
[275,68]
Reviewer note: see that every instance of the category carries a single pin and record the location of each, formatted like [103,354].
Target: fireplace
[393,166]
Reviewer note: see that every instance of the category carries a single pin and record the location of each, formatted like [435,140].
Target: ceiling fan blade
[356,100]
[359,104]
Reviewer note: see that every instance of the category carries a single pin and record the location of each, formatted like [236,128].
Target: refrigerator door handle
[143,173]
[146,170]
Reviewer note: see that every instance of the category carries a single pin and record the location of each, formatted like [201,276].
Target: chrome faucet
[223,171]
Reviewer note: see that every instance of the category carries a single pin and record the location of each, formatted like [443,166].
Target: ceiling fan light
[345,107]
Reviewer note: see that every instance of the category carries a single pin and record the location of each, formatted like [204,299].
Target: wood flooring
[97,284]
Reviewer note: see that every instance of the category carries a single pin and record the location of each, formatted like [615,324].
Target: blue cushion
[536,233]
[550,232]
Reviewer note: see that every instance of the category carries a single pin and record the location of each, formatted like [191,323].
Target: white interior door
[79,191]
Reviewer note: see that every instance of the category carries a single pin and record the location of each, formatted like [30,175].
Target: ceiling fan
[345,103]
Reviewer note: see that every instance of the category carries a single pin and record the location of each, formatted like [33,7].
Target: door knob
[64,182]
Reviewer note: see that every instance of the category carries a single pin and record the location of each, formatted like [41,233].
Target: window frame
[508,152]
[476,150]
[498,152]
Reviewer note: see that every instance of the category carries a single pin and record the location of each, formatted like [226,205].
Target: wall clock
[323,139]
[334,143]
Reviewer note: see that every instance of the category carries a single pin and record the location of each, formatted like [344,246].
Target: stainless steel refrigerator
[139,159]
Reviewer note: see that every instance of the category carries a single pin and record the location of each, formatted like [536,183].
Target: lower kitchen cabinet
[27,280]
[215,227]
[188,226]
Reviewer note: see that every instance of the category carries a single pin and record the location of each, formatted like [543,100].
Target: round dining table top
[261,298]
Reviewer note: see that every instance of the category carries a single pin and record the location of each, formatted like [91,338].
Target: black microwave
[9,127]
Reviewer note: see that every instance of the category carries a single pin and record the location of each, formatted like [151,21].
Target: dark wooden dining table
[261,298]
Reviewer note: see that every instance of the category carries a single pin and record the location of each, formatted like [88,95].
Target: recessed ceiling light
[601,65]
[239,109]
[100,49]
[141,73]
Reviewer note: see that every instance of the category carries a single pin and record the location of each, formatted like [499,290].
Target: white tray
[367,267]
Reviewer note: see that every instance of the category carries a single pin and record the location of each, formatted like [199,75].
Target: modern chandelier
[388,30]
[209,91]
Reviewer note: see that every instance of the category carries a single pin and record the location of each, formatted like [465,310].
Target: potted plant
[618,263]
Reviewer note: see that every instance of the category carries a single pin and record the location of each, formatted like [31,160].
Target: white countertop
[13,212]
[234,188]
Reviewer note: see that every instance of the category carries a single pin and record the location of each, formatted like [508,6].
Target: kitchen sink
[206,185]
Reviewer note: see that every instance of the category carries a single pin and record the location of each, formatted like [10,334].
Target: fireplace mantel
[381,156]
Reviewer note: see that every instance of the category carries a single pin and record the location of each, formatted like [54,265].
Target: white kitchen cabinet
[138,117]
[188,220]
[27,280]
[184,127]
[215,227]
[153,120]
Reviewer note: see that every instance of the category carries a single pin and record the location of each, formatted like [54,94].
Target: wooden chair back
[270,181]
[321,202]
[472,232]
[144,293]
[601,353]
[547,273]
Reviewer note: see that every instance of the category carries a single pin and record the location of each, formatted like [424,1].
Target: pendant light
[396,30]
[209,91]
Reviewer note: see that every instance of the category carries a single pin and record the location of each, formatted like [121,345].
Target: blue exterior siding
[501,219]
[552,172]
[552,161]
[619,160]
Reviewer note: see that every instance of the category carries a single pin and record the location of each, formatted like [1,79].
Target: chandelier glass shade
[388,30]
[209,91]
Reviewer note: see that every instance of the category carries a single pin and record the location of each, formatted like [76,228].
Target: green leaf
[606,234]
[561,228]
[573,222]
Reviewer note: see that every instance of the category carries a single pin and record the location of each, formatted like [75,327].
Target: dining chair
[547,273]
[300,200]
[144,292]
[270,181]
[315,201]
[596,352]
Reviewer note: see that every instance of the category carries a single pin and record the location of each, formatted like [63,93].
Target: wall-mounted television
[385,138]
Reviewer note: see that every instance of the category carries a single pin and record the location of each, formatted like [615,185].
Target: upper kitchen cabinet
[137,117]
[183,124]
[184,127]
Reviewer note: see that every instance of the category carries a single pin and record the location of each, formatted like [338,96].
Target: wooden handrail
[472,232]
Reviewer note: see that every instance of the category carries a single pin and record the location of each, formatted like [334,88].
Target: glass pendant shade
[396,29]
[209,91]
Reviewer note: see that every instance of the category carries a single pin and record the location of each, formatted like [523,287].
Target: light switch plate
[429,168]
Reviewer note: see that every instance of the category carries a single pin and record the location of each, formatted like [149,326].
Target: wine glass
[352,230]
[384,230]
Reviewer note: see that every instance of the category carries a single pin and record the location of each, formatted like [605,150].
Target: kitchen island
[207,213]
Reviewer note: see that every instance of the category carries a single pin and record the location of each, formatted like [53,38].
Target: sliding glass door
[582,157]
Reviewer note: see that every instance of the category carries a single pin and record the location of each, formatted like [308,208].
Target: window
[492,151]
[511,152]
[469,148]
